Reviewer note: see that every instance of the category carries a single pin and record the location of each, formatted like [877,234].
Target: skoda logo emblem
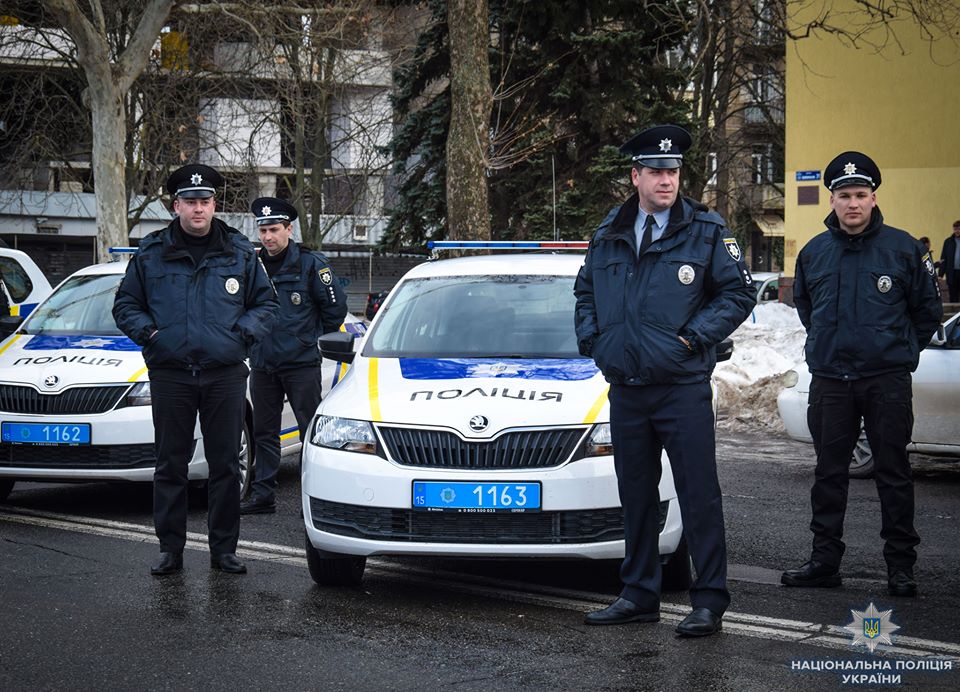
[479,423]
[51,381]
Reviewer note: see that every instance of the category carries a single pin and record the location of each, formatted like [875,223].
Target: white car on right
[936,402]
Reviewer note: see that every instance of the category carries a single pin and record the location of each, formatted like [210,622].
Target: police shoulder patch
[928,265]
[325,275]
[732,248]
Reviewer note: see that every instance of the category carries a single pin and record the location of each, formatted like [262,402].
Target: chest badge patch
[884,284]
[295,298]
[732,248]
[232,285]
[326,276]
[686,274]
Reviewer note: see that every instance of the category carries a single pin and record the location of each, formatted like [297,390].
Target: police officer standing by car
[287,362]
[867,294]
[663,283]
[195,298]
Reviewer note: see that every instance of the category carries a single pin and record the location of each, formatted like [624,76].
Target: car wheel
[247,460]
[861,463]
[6,485]
[676,574]
[334,569]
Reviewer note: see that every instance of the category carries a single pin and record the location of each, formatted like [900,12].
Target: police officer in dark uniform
[868,297]
[195,298]
[287,362]
[663,283]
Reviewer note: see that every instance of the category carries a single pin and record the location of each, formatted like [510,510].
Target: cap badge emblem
[884,284]
[265,211]
[51,381]
[196,179]
[232,285]
[666,145]
[479,423]
[850,169]
[295,298]
[686,274]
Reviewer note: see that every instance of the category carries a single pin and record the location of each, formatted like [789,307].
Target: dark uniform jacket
[630,310]
[206,315]
[870,301]
[312,303]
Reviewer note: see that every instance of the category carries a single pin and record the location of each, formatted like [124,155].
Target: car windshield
[477,317]
[81,305]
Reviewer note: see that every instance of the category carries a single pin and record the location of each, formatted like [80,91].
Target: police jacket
[870,301]
[631,309]
[312,303]
[205,316]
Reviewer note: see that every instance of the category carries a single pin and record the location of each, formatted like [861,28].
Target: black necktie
[648,225]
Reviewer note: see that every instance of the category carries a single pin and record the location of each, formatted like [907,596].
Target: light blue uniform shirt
[661,218]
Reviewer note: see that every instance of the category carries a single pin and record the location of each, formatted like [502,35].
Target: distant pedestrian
[950,262]
[195,297]
[286,363]
[868,297]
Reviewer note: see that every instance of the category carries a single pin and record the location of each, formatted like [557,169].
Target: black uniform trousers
[267,389]
[885,403]
[218,395]
[644,420]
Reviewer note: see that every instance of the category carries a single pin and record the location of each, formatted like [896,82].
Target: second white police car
[469,425]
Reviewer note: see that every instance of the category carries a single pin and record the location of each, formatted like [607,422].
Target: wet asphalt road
[79,611]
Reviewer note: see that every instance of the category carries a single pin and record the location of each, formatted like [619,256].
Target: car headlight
[790,379]
[600,443]
[344,433]
[139,395]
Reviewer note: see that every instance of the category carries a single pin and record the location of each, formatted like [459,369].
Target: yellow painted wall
[900,104]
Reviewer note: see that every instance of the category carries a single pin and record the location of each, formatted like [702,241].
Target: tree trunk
[109,169]
[471,101]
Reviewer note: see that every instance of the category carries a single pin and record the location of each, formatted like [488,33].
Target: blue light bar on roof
[508,244]
[121,250]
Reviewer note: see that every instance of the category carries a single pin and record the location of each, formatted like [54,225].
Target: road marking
[745,624]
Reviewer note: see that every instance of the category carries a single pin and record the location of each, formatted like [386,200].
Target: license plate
[70,434]
[476,497]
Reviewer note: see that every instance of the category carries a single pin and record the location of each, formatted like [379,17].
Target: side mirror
[9,324]
[940,338]
[724,350]
[337,346]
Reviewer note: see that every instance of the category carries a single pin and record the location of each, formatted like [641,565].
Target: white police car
[75,396]
[469,425]
[22,282]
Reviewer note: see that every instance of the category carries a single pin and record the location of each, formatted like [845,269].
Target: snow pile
[768,344]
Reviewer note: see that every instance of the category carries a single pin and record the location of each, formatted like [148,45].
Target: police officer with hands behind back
[662,284]
[287,361]
[195,298]
[868,297]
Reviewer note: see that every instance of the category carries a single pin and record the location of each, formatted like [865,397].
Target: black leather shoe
[701,622]
[169,563]
[620,612]
[901,583]
[812,573]
[254,506]
[227,562]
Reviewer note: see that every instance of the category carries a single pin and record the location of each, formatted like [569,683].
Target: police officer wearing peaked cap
[287,362]
[867,294]
[194,298]
[662,284]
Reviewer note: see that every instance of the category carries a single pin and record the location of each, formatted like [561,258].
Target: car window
[18,283]
[476,317]
[81,305]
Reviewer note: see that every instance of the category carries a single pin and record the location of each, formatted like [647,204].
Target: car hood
[455,392]
[53,363]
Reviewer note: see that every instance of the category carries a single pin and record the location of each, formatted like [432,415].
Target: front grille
[519,449]
[76,400]
[406,525]
[80,457]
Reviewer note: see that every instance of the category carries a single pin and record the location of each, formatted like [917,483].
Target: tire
[861,463]
[6,485]
[334,569]
[247,459]
[677,572]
